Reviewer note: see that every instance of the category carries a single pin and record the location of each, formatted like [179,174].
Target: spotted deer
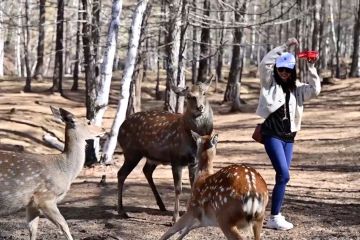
[165,138]
[38,182]
[234,197]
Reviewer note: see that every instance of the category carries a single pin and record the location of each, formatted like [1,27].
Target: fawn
[234,197]
[37,182]
[165,138]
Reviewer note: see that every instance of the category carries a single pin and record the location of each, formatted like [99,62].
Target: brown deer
[234,197]
[165,138]
[37,182]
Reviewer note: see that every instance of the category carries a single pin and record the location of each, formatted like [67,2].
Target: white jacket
[272,95]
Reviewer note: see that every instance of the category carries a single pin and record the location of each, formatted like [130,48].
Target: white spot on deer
[6,183]
[247,177]
[253,180]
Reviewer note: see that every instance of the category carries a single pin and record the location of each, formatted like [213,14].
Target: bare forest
[104,61]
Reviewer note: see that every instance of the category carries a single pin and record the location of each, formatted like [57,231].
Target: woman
[281,105]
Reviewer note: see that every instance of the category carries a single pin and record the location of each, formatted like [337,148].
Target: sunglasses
[284,69]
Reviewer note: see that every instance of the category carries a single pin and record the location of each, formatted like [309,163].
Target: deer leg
[192,171]
[186,221]
[257,227]
[177,175]
[130,162]
[148,172]
[51,211]
[32,217]
[230,230]
[184,232]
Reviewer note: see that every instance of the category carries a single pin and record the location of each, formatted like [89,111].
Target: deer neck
[201,124]
[205,165]
[73,156]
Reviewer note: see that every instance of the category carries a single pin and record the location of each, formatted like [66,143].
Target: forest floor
[322,198]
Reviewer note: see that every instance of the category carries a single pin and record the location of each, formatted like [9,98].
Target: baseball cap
[286,59]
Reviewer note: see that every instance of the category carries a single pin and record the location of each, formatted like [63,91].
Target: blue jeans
[280,154]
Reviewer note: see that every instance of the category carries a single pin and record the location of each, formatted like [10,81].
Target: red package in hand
[309,55]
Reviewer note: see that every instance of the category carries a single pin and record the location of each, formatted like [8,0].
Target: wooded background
[181,41]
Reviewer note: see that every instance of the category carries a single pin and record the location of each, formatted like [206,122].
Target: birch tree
[18,44]
[103,85]
[172,50]
[110,144]
[1,40]
[134,104]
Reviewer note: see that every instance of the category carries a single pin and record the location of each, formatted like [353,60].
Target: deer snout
[201,108]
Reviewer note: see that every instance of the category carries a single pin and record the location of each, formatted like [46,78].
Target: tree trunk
[18,44]
[280,29]
[338,41]
[26,37]
[253,56]
[75,85]
[159,51]
[204,46]
[355,67]
[316,22]
[173,49]
[182,51]
[269,28]
[103,86]
[234,74]
[2,33]
[220,57]
[321,49]
[134,34]
[59,48]
[135,86]
[91,68]
[39,69]
[195,63]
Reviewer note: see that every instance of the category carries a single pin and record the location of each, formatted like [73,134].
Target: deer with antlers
[165,138]
[234,197]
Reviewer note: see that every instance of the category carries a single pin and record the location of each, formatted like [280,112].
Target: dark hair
[290,84]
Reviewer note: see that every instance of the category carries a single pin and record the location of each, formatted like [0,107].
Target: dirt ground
[323,195]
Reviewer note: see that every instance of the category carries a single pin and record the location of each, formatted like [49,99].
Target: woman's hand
[292,42]
[312,60]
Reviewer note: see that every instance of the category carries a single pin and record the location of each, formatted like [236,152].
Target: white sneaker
[278,222]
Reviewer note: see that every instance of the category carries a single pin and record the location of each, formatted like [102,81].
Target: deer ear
[214,139]
[180,90]
[195,135]
[204,86]
[56,113]
[62,115]
[66,115]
